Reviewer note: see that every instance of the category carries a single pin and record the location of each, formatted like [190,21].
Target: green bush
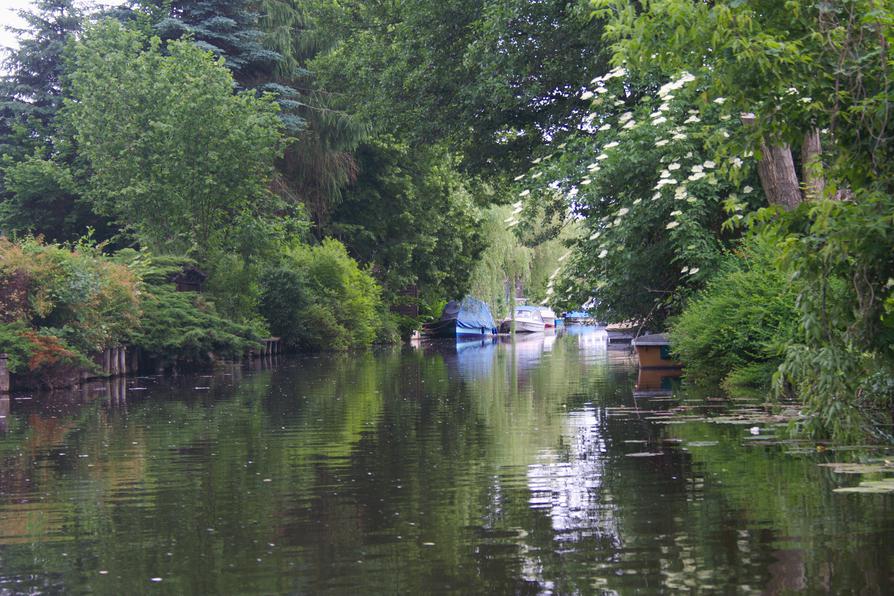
[734,332]
[77,295]
[317,297]
[182,326]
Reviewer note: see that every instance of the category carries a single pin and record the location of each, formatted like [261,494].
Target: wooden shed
[653,351]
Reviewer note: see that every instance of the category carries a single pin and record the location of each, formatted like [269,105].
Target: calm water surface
[495,468]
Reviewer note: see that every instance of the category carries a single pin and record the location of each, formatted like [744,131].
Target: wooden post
[122,361]
[4,374]
[107,362]
[113,362]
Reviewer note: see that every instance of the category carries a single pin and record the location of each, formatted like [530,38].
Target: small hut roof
[654,339]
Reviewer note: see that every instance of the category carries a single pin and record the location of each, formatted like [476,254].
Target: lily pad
[645,454]
[851,468]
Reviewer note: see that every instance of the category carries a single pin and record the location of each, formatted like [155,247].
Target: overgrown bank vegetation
[732,173]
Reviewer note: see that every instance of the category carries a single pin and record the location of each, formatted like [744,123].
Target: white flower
[617,221]
[725,117]
[710,164]
[537,161]
[664,107]
[601,156]
[513,223]
[509,219]
[665,182]
[517,178]
[747,190]
[692,120]
[672,225]
[517,204]
[791,91]
[618,103]
[623,211]
[537,175]
[661,143]
[637,201]
[688,155]
[673,167]
[697,176]
[586,95]
[625,117]
[720,100]
[657,114]
[656,196]
[676,213]
[684,269]
[605,127]
[592,237]
[629,124]
[524,193]
[693,271]
[664,174]
[658,121]
[593,167]
[517,210]
[679,137]
[805,100]
[601,90]
[585,182]
[698,168]
[611,145]
[603,254]
[736,162]
[680,193]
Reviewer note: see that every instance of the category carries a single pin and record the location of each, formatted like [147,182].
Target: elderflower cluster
[665,91]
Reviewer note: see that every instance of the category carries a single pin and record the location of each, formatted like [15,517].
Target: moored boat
[527,320]
[466,318]
[548,315]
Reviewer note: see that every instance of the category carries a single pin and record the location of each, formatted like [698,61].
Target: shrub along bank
[62,306]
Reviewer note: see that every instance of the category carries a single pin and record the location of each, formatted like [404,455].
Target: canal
[474,468]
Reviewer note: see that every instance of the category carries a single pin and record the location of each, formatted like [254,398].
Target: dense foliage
[736,330]
[810,76]
[175,155]
[641,175]
[59,305]
[318,298]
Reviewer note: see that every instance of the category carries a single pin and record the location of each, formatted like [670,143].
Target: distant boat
[527,320]
[653,351]
[578,317]
[549,316]
[466,318]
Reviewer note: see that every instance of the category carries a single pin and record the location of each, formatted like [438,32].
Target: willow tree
[503,265]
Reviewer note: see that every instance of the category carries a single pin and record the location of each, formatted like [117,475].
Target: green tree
[410,218]
[176,156]
[492,79]
[31,89]
[804,72]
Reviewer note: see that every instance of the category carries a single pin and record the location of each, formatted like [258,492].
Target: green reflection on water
[483,467]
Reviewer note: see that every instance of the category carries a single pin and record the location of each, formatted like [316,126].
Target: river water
[444,468]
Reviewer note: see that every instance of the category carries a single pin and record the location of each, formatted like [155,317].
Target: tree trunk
[776,170]
[778,177]
[812,166]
